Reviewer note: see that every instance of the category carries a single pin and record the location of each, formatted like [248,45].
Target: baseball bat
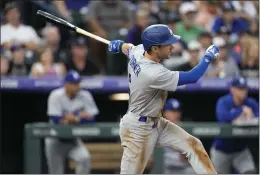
[62,22]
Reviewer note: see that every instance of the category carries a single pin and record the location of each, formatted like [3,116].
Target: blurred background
[33,49]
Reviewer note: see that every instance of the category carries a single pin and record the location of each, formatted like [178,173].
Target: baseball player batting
[143,127]
[69,105]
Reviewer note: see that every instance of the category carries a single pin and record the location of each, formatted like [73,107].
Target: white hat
[187,7]
[194,45]
[218,41]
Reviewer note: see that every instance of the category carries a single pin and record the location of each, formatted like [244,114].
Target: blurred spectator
[46,67]
[246,8]
[72,10]
[169,12]
[205,39]
[207,12]
[223,33]
[233,24]
[187,28]
[80,58]
[193,56]
[108,16]
[105,18]
[246,41]
[63,10]
[224,66]
[134,34]
[4,65]
[154,10]
[249,63]
[172,19]
[51,40]
[14,32]
[19,65]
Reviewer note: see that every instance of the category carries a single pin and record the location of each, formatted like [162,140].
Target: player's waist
[144,118]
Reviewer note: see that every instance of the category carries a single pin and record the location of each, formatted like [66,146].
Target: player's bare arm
[84,114]
[125,47]
[71,118]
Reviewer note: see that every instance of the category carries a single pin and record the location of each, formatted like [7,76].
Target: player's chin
[166,57]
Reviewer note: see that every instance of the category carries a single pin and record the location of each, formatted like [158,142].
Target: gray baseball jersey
[59,104]
[149,82]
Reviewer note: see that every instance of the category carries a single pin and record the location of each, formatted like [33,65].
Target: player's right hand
[211,53]
[114,46]
[71,118]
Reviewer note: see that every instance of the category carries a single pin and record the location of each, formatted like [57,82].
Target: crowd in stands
[33,47]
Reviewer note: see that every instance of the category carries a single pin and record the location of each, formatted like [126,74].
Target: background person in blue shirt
[231,22]
[228,153]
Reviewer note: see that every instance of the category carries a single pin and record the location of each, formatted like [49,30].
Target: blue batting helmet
[72,77]
[172,104]
[158,34]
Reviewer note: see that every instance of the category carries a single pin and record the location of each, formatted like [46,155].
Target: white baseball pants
[56,152]
[139,139]
[242,161]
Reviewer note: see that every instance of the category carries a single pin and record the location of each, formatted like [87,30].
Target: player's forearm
[71,118]
[89,120]
[125,47]
[195,74]
[86,118]
[227,116]
[56,119]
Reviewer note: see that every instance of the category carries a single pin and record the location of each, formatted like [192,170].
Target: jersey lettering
[136,68]
[129,78]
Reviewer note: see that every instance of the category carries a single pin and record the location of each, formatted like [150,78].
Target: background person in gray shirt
[69,105]
[224,66]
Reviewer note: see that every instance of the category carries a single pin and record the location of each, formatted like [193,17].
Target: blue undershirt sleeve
[195,74]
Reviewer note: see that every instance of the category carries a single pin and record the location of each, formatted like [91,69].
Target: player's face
[239,93]
[73,88]
[13,15]
[223,52]
[163,52]
[205,41]
[173,116]
[194,54]
[228,16]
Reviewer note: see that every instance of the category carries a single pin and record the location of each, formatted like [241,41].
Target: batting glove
[115,46]
[211,53]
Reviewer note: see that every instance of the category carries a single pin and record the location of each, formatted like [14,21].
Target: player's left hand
[114,46]
[83,114]
[249,114]
[212,52]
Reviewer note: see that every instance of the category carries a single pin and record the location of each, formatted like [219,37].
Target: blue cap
[72,77]
[158,34]
[239,82]
[79,41]
[172,105]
